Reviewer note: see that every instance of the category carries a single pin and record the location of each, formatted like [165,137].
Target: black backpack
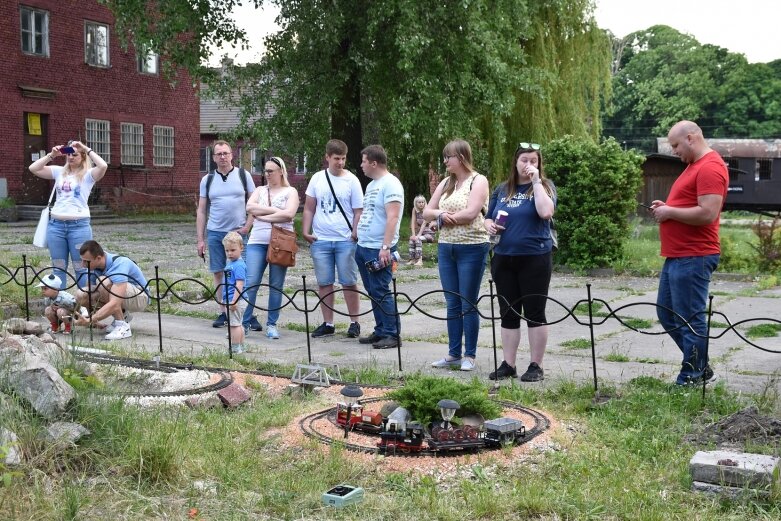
[242,175]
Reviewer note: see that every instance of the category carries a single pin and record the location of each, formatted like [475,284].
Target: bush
[769,248]
[421,394]
[597,188]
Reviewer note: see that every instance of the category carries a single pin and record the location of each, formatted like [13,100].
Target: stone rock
[32,328]
[737,469]
[388,408]
[52,352]
[233,395]
[15,326]
[66,433]
[208,487]
[38,383]
[294,390]
[48,338]
[732,493]
[204,402]
[8,441]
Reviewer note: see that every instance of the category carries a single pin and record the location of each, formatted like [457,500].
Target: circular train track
[308,425]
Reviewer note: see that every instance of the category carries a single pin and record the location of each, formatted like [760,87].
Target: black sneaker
[533,374]
[504,371]
[354,331]
[220,321]
[387,342]
[370,339]
[323,330]
[253,324]
[708,374]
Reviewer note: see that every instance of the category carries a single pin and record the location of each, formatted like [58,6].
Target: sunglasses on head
[524,145]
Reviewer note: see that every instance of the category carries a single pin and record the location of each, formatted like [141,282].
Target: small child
[60,305]
[235,276]
[421,232]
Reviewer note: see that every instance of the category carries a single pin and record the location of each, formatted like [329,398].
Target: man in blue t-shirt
[378,233]
[117,286]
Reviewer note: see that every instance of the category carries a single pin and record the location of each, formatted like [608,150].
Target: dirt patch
[739,428]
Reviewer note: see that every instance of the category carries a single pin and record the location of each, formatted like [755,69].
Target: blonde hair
[281,164]
[418,197]
[86,164]
[462,150]
[233,238]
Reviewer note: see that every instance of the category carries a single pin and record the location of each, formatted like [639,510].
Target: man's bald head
[687,141]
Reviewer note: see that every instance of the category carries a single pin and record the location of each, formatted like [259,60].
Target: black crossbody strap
[331,186]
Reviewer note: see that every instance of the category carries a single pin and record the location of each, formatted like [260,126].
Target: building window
[163,146]
[35,31]
[147,63]
[258,161]
[99,137]
[132,144]
[764,169]
[206,155]
[301,164]
[96,44]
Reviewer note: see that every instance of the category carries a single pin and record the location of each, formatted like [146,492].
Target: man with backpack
[223,197]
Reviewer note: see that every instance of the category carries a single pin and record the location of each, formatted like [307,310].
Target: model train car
[397,436]
[360,420]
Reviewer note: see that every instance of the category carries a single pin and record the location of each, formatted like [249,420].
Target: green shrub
[597,188]
[421,394]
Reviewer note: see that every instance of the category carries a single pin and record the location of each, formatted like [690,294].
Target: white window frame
[206,155]
[301,164]
[99,137]
[132,144]
[148,63]
[255,167]
[163,145]
[29,37]
[92,54]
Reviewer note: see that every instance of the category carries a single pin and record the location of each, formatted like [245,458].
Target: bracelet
[89,151]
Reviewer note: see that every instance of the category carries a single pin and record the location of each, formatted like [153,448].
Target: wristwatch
[384,247]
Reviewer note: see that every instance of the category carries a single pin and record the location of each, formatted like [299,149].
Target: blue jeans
[377,285]
[256,266]
[683,287]
[217,257]
[461,268]
[65,238]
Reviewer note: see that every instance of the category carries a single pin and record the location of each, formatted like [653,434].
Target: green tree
[408,74]
[596,185]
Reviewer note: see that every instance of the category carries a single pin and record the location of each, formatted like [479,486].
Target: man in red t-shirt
[689,233]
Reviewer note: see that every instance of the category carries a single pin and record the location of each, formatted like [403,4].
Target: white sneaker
[445,363]
[128,316]
[271,332]
[110,327]
[467,365]
[83,312]
[120,332]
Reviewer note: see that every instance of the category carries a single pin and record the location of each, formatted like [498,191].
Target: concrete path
[621,353]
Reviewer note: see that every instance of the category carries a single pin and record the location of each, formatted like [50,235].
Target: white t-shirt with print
[328,223]
[371,227]
[72,195]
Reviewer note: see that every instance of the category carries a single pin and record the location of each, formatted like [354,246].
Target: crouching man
[117,287]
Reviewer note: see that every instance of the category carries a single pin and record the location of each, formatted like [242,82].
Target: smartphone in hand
[646,206]
[67,150]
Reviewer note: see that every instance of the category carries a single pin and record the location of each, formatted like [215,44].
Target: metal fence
[160,289]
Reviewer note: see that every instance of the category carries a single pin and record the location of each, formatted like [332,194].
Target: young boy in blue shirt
[236,275]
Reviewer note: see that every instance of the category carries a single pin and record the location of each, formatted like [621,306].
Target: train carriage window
[733,165]
[764,169]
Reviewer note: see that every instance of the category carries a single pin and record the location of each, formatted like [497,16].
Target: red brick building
[65,76]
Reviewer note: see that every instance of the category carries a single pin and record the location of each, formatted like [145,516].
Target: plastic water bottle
[501,220]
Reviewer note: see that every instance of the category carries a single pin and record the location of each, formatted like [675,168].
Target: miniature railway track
[308,427]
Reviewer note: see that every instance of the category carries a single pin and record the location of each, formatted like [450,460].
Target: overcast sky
[750,27]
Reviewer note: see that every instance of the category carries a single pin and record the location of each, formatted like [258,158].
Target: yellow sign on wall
[34,123]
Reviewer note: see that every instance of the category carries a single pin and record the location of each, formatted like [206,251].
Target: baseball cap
[51,281]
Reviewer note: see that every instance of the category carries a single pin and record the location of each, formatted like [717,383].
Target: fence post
[591,330]
[398,319]
[89,304]
[493,329]
[26,294]
[159,312]
[707,342]
[306,323]
[227,310]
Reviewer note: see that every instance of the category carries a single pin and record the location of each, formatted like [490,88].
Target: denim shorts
[217,258]
[327,255]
